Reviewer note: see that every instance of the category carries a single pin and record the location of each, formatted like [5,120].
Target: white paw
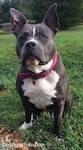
[59,139]
[25,126]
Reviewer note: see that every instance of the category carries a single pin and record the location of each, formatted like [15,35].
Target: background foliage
[70,11]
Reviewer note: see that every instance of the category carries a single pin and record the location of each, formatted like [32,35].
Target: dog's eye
[44,36]
[22,39]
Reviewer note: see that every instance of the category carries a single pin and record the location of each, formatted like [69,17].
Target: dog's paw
[25,126]
[58,139]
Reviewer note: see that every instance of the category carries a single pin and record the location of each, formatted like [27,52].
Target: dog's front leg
[28,114]
[58,112]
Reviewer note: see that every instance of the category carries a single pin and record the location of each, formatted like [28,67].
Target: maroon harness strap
[35,76]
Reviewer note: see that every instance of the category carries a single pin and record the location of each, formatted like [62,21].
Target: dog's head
[35,45]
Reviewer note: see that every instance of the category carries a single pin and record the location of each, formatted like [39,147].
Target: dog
[42,81]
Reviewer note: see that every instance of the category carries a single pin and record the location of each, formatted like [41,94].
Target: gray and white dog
[42,81]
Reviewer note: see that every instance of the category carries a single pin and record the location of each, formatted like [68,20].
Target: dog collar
[35,76]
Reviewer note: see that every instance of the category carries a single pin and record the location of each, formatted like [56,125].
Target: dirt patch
[13,141]
[3,92]
[3,89]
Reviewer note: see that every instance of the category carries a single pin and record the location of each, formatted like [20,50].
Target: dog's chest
[42,90]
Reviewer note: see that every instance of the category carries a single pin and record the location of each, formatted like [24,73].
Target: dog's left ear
[17,20]
[51,18]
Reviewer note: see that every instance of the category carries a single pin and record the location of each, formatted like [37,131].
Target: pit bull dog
[42,81]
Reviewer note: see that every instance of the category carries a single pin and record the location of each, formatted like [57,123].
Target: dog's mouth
[32,61]
[34,64]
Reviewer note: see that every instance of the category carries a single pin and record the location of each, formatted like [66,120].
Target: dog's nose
[31,45]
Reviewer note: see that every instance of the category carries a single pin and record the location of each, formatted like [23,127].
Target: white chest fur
[41,93]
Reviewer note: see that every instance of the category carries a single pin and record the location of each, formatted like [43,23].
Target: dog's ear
[17,20]
[51,18]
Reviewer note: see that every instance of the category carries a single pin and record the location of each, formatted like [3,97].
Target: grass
[70,45]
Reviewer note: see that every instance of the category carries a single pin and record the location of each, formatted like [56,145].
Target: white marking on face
[33,36]
[33,40]
[43,91]
[34,31]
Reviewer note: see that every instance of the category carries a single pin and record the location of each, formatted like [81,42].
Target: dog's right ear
[17,20]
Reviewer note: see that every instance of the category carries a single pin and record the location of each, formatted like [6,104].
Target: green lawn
[70,45]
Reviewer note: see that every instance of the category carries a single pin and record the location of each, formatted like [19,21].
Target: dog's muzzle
[33,54]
